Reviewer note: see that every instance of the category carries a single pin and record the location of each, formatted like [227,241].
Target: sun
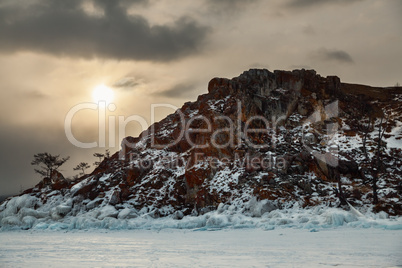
[103,93]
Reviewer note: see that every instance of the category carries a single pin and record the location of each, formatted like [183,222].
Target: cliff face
[308,134]
[283,136]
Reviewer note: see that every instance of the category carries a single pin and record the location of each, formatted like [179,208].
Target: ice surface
[341,247]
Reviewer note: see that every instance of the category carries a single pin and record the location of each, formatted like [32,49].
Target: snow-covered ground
[342,246]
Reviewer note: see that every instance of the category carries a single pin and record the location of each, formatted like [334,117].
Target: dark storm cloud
[332,55]
[230,2]
[178,91]
[228,6]
[61,27]
[311,3]
[126,83]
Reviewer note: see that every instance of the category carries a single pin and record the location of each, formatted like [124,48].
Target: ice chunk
[355,211]
[32,212]
[62,210]
[108,211]
[28,222]
[259,208]
[94,203]
[16,203]
[338,217]
[127,213]
[217,220]
[10,221]
[178,215]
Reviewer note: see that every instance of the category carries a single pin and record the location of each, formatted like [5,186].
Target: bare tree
[377,161]
[366,127]
[47,163]
[366,131]
[101,157]
[339,190]
[82,166]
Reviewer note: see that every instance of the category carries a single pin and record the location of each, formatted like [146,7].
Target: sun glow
[103,93]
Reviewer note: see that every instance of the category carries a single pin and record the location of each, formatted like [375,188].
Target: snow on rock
[395,140]
[79,185]
[105,177]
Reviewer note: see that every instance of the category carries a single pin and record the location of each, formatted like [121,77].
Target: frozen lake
[344,247]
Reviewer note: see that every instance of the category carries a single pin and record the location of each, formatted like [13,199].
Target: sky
[54,53]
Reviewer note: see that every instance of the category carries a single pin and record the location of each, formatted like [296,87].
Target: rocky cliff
[273,137]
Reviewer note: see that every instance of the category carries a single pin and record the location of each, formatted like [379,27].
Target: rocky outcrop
[282,136]
[282,102]
[55,182]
